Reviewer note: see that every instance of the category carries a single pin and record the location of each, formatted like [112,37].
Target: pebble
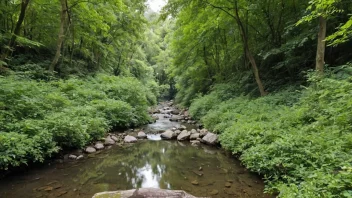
[214,192]
[195,182]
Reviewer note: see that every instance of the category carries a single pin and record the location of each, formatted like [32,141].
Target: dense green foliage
[97,35]
[226,53]
[52,94]
[210,39]
[219,56]
[37,118]
[300,141]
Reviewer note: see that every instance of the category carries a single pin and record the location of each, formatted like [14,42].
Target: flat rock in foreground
[145,193]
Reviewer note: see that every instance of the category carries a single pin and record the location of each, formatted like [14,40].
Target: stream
[201,171]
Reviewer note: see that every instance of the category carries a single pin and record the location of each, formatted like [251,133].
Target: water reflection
[150,179]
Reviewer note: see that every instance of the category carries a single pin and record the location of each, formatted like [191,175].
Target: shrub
[38,118]
[300,142]
[201,105]
[17,149]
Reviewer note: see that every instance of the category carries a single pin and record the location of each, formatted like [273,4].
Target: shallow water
[148,163]
[157,164]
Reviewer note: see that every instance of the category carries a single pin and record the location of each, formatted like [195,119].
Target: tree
[16,32]
[60,40]
[321,10]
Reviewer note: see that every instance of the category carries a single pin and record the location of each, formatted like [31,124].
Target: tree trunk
[63,16]
[321,46]
[16,32]
[249,54]
[256,73]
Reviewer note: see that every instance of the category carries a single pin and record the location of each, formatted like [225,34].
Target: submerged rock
[184,135]
[214,192]
[195,143]
[210,138]
[130,139]
[90,149]
[144,192]
[195,182]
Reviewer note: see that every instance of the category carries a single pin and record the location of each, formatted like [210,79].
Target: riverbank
[299,139]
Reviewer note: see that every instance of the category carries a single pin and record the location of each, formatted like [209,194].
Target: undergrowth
[40,117]
[300,141]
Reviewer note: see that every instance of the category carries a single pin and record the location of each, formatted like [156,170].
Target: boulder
[79,157]
[177,132]
[72,157]
[130,139]
[193,131]
[182,127]
[90,149]
[141,135]
[210,138]
[168,135]
[155,117]
[99,146]
[194,136]
[175,118]
[155,111]
[116,139]
[184,135]
[203,132]
[145,192]
[175,111]
[109,141]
